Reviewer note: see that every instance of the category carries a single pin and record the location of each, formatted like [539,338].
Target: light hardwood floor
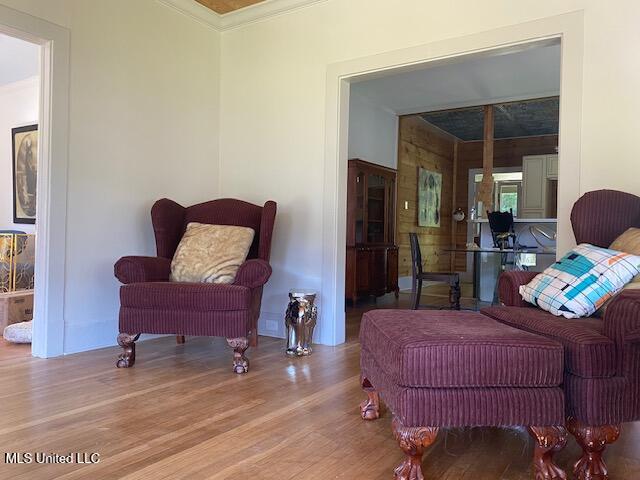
[181,413]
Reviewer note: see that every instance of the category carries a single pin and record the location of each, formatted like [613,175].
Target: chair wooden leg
[128,357]
[240,362]
[549,440]
[417,291]
[180,339]
[593,441]
[413,441]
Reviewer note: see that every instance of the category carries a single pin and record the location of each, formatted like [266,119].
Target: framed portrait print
[429,198]
[25,173]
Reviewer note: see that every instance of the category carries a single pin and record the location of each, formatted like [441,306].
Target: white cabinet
[538,173]
[552,167]
[534,176]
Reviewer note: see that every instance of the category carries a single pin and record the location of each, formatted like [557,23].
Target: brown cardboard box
[15,307]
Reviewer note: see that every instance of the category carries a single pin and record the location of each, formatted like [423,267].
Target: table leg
[503,268]
[476,278]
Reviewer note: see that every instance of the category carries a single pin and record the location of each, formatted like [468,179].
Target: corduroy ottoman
[438,369]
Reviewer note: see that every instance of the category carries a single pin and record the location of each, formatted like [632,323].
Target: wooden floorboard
[181,413]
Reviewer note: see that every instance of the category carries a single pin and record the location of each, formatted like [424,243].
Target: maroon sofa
[150,303]
[602,355]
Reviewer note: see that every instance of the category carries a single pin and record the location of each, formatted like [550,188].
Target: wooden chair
[504,237]
[450,278]
[502,229]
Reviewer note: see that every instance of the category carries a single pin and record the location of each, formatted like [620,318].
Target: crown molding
[263,10]
[195,11]
[237,18]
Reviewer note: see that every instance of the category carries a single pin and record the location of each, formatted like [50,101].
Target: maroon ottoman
[461,369]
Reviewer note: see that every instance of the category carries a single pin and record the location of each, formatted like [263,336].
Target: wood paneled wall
[506,153]
[422,145]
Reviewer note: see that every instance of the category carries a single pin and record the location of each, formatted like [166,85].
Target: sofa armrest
[633,337]
[509,287]
[253,273]
[142,269]
[622,325]
[622,317]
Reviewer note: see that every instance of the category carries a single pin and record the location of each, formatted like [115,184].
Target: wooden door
[392,269]
[351,288]
[378,271]
[363,263]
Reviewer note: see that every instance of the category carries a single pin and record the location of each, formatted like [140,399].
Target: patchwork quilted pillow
[211,253]
[581,281]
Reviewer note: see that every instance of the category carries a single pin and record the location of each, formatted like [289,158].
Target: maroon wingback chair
[602,355]
[150,303]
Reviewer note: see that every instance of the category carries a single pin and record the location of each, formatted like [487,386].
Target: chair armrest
[142,269]
[622,317]
[509,287]
[253,273]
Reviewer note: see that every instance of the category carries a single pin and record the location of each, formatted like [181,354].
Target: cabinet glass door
[359,215]
[376,208]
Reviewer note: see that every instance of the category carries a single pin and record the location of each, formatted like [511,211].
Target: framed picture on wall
[429,197]
[25,173]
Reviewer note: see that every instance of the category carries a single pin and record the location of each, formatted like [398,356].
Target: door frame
[568,28]
[51,203]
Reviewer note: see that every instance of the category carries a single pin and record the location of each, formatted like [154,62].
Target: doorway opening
[19,120]
[565,30]
[50,189]
[416,140]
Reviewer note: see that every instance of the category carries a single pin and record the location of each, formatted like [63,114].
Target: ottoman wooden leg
[370,408]
[413,441]
[549,440]
[593,441]
[128,343]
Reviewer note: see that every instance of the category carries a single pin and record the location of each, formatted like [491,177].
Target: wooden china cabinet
[372,255]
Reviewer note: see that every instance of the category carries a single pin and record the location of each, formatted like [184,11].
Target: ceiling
[518,119]
[226,6]
[18,59]
[526,74]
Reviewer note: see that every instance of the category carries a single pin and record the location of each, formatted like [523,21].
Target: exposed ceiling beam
[485,195]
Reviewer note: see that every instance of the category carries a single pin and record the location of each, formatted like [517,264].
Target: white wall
[373,132]
[144,121]
[18,107]
[144,110]
[276,70]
